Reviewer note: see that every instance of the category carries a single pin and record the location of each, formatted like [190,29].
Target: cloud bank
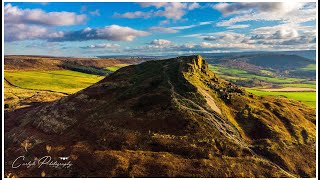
[15,15]
[110,33]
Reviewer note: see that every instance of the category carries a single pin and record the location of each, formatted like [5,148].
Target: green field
[268,73]
[300,85]
[65,81]
[242,74]
[116,67]
[310,67]
[308,98]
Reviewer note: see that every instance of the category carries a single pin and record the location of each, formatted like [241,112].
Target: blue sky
[90,29]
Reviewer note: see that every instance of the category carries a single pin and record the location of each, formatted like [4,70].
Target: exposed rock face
[160,119]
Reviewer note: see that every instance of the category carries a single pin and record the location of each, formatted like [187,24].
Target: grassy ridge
[65,81]
[308,98]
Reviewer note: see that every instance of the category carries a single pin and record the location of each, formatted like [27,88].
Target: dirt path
[210,101]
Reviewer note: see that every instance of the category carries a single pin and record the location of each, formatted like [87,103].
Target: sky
[156,28]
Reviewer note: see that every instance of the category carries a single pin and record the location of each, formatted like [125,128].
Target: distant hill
[309,54]
[281,64]
[44,63]
[276,61]
[166,118]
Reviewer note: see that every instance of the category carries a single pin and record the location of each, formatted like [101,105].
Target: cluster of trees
[85,69]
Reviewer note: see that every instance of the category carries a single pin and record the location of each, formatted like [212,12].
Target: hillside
[267,60]
[29,63]
[309,54]
[288,65]
[166,118]
[30,80]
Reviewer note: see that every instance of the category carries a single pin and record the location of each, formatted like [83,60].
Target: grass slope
[15,97]
[308,98]
[302,85]
[233,73]
[310,67]
[115,67]
[64,81]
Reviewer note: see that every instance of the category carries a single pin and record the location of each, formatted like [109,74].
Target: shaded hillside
[280,64]
[309,54]
[279,61]
[87,65]
[167,118]
[275,61]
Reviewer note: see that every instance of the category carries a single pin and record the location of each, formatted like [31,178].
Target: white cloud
[44,3]
[19,32]
[184,27]
[95,12]
[245,7]
[198,35]
[111,33]
[164,22]
[155,4]
[225,37]
[287,12]
[280,39]
[162,30]
[133,15]
[103,46]
[275,35]
[205,23]
[170,10]
[226,41]
[191,26]
[161,42]
[193,6]
[202,46]
[207,45]
[238,26]
[285,34]
[288,26]
[163,45]
[187,46]
[174,10]
[15,15]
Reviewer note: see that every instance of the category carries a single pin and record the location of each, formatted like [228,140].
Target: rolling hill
[87,65]
[289,65]
[166,118]
[30,80]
